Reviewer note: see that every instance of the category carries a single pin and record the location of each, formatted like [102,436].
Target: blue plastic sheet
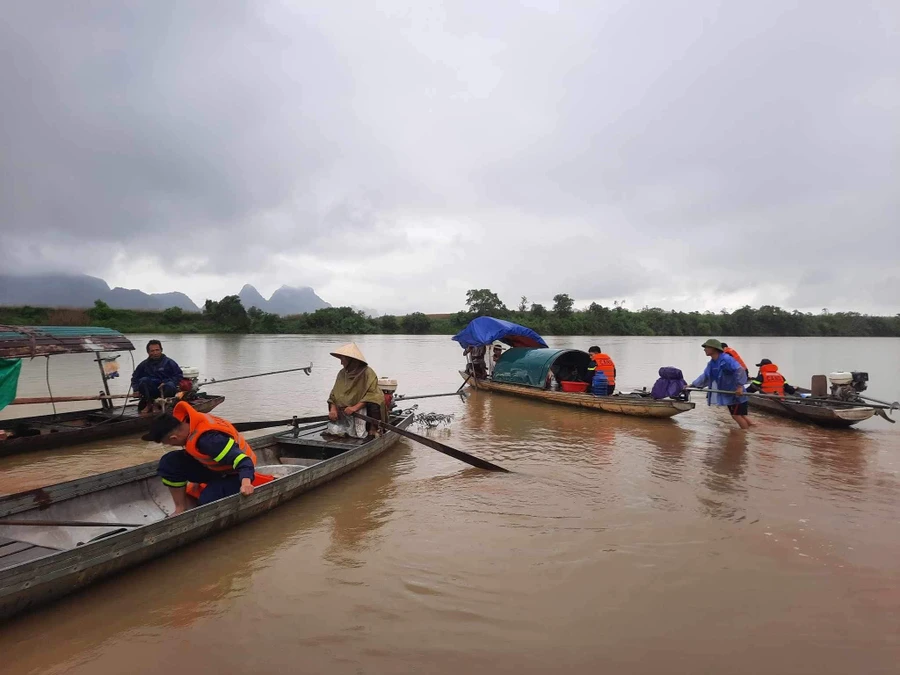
[485,330]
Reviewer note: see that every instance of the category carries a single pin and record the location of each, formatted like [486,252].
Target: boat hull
[135,492]
[84,426]
[820,415]
[618,405]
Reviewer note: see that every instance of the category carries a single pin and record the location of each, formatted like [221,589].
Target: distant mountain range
[82,290]
[286,300]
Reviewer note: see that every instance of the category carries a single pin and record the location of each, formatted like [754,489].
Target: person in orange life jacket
[769,381]
[737,357]
[214,453]
[602,362]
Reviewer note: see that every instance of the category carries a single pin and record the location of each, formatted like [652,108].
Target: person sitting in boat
[603,363]
[156,376]
[724,374]
[769,381]
[495,356]
[356,389]
[215,460]
[737,357]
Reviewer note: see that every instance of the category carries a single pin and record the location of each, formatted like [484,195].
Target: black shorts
[739,408]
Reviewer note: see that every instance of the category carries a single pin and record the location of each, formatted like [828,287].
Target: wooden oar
[252,426]
[66,523]
[434,445]
[465,382]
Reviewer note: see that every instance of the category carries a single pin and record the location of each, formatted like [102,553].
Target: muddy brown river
[617,545]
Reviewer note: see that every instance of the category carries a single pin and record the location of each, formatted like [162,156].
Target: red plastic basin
[574,386]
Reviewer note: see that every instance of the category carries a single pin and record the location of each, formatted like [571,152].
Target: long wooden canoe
[619,404]
[821,413]
[43,432]
[43,562]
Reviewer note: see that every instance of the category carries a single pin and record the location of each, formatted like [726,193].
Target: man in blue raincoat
[724,373]
[156,376]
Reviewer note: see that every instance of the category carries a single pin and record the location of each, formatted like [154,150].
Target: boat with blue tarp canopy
[530,368]
[485,330]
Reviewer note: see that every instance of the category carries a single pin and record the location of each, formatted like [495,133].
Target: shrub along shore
[229,316]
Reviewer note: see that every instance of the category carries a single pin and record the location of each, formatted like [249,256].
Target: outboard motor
[388,386]
[848,386]
[189,379]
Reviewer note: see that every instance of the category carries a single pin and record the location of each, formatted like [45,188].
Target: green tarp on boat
[9,380]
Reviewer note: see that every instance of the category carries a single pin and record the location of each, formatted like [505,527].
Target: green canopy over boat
[529,367]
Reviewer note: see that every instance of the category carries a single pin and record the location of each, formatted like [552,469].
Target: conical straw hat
[350,349]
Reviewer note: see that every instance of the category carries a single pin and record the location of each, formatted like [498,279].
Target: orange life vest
[603,363]
[201,423]
[737,357]
[772,380]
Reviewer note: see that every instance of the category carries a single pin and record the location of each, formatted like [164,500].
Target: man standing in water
[156,376]
[724,374]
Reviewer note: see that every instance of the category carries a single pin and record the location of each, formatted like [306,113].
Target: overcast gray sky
[684,154]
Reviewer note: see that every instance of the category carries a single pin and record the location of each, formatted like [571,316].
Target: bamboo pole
[65,399]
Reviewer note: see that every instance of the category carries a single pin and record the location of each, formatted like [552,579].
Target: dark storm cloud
[667,152]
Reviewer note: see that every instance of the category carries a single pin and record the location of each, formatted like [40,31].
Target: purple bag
[670,383]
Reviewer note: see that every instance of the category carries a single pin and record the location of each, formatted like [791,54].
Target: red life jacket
[772,380]
[603,363]
[737,357]
[201,423]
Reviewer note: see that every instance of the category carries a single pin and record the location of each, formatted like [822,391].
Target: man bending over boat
[215,462]
[724,374]
[156,376]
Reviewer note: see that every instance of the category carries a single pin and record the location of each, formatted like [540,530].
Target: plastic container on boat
[840,378]
[579,387]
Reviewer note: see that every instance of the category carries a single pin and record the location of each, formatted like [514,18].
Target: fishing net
[432,420]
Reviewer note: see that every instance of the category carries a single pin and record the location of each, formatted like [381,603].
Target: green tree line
[228,315]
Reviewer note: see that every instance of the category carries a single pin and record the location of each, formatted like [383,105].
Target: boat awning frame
[30,341]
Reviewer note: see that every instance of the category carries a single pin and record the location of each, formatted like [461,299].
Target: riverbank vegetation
[228,315]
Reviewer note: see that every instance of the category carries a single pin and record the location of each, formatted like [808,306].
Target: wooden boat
[635,405]
[525,370]
[42,432]
[126,511]
[824,413]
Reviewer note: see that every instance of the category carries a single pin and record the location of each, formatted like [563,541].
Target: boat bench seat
[13,552]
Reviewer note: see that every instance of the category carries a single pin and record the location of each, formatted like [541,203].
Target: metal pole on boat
[106,402]
[786,399]
[305,369]
[893,406]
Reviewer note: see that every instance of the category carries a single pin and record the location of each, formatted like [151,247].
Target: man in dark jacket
[156,376]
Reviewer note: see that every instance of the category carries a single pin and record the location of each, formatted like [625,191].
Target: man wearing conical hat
[356,389]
